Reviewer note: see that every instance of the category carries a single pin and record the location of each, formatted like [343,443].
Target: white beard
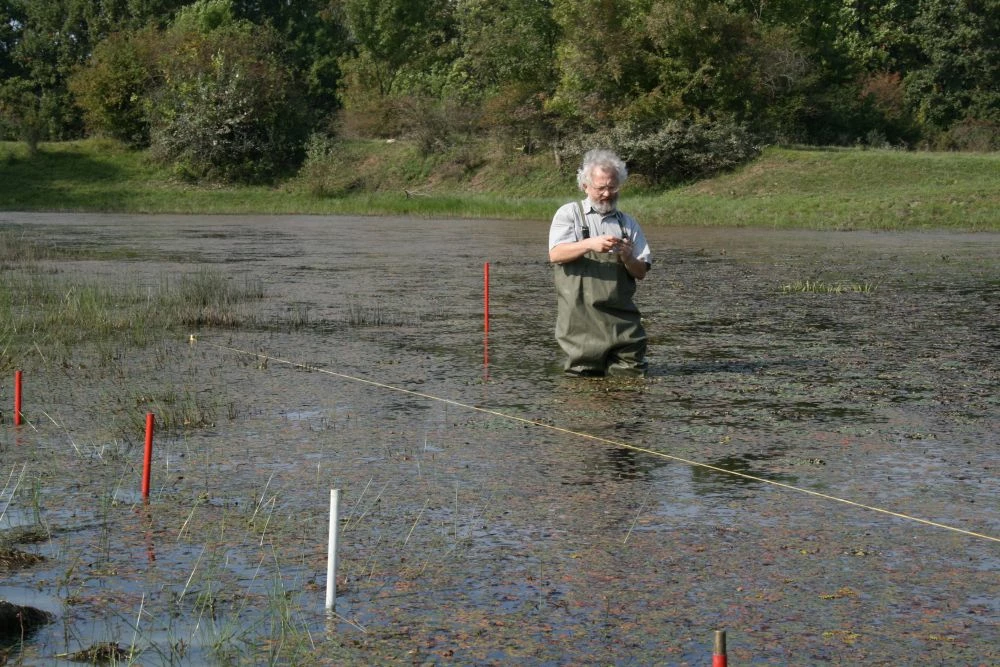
[606,207]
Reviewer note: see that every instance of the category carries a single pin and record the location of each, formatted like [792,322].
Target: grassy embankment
[786,188]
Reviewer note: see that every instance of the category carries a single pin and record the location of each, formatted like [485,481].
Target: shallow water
[497,512]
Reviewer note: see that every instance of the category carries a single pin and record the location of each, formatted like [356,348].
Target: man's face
[603,190]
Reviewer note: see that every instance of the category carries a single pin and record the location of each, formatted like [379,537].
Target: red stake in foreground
[17,398]
[486,297]
[148,459]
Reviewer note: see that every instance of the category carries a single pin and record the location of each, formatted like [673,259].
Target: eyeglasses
[606,189]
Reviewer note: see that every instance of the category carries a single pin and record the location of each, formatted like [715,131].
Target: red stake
[486,297]
[148,459]
[719,654]
[17,398]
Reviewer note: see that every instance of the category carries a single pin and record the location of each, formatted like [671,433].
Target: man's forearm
[637,268]
[568,252]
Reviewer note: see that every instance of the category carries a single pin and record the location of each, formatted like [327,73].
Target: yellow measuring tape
[606,441]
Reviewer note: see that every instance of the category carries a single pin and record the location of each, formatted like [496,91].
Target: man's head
[601,176]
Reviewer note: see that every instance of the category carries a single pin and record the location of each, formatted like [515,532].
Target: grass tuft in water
[821,287]
[373,315]
[62,310]
[175,411]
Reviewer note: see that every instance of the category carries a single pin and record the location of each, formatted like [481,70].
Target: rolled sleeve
[563,229]
[638,239]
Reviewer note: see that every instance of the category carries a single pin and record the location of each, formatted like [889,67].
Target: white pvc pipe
[331,558]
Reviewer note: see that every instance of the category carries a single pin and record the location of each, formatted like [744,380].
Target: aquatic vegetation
[822,287]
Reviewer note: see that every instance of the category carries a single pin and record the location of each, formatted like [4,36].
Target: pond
[811,464]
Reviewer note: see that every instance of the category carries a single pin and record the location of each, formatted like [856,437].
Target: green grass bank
[800,188]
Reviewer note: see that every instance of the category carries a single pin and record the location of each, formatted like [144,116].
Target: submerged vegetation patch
[66,308]
[375,314]
[20,248]
[822,287]
[11,558]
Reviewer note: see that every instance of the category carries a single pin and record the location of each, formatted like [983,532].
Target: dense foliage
[232,89]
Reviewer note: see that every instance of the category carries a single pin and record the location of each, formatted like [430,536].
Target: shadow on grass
[65,176]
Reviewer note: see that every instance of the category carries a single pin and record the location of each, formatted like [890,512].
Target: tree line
[239,90]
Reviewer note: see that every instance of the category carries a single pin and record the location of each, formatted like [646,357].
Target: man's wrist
[635,266]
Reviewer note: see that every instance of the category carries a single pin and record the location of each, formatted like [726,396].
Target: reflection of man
[599,253]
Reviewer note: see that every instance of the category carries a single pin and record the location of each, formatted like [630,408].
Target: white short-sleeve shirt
[566,227]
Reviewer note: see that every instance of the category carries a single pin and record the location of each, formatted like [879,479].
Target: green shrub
[227,109]
[971,135]
[326,172]
[113,88]
[677,152]
[22,112]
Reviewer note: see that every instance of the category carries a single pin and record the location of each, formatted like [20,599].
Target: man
[599,252]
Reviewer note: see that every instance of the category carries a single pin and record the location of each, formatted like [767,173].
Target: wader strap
[621,225]
[583,222]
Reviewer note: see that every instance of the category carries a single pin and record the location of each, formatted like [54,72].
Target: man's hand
[606,243]
[624,249]
[626,253]
[569,252]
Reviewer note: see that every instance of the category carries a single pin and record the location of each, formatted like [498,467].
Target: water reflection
[706,481]
[602,465]
[626,464]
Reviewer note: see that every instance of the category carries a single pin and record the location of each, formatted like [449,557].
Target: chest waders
[597,324]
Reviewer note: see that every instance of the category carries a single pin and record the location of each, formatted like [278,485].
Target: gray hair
[604,160]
